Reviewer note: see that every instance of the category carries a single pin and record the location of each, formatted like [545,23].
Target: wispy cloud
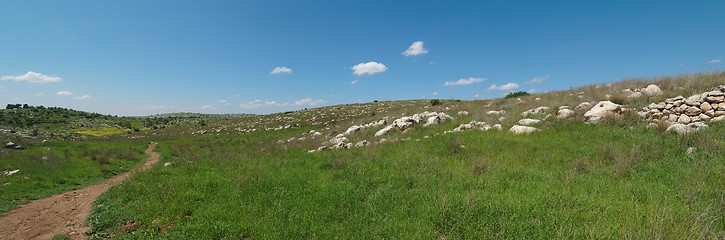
[84,97]
[353,82]
[224,102]
[505,87]
[206,107]
[538,79]
[32,77]
[714,61]
[39,94]
[64,93]
[369,68]
[309,102]
[465,81]
[415,49]
[262,104]
[279,70]
[68,94]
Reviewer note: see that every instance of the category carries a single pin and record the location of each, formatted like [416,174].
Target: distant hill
[24,116]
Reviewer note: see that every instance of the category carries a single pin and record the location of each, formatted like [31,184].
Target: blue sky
[148,57]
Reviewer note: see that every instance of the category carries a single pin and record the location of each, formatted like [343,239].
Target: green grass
[97,132]
[58,166]
[611,182]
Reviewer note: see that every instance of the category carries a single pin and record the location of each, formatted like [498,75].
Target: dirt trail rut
[64,213]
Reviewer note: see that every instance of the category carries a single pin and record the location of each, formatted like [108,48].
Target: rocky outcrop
[602,110]
[650,90]
[404,123]
[474,125]
[689,114]
[357,128]
[538,110]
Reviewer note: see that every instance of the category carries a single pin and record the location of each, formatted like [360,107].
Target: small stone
[705,106]
[718,119]
[684,119]
[693,111]
[693,100]
[691,150]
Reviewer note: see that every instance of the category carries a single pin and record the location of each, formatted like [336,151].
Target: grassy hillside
[253,178]
[54,167]
[54,122]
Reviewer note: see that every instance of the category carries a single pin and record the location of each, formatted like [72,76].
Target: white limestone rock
[517,129]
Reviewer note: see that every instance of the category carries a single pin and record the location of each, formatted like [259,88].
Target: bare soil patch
[65,213]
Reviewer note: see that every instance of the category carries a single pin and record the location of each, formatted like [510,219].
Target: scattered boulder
[565,112]
[528,121]
[499,112]
[585,106]
[516,129]
[538,110]
[167,164]
[601,110]
[684,129]
[362,143]
[472,125]
[383,131]
[10,172]
[463,113]
[652,90]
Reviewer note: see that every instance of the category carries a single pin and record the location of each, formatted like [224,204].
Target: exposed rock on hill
[688,114]
[601,110]
[517,129]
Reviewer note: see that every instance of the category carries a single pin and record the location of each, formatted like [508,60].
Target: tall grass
[571,181]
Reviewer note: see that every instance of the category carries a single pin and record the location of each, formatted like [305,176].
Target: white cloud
[206,107]
[505,87]
[714,61]
[224,102]
[309,102]
[32,77]
[531,91]
[476,95]
[415,49]
[465,81]
[39,94]
[434,93]
[84,97]
[67,94]
[261,104]
[369,68]
[64,93]
[538,79]
[353,82]
[279,70]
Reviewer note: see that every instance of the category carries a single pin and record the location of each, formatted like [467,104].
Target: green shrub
[436,102]
[516,94]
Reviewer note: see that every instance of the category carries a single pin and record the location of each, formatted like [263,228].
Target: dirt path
[65,213]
